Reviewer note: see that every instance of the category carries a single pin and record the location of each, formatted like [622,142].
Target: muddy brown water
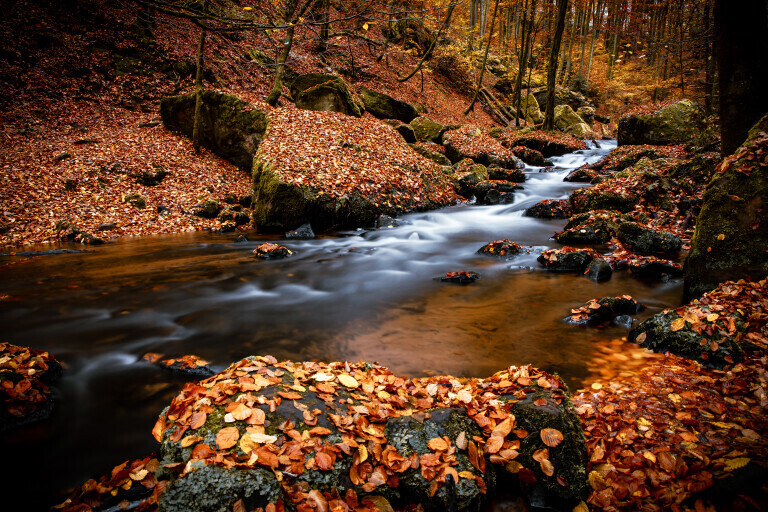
[365,294]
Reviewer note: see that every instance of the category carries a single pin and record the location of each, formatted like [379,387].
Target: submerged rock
[460,277]
[655,268]
[303,232]
[604,310]
[599,270]
[270,251]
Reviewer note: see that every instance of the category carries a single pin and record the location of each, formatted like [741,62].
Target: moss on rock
[383,106]
[677,123]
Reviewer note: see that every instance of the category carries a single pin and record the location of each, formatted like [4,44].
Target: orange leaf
[197,420]
[437,444]
[551,437]
[227,437]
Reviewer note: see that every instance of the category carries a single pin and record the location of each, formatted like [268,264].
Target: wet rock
[470,142]
[107,226]
[655,268]
[549,209]
[460,277]
[567,259]
[386,221]
[495,192]
[467,176]
[407,133]
[270,251]
[383,106]
[531,156]
[583,175]
[501,174]
[188,365]
[227,227]
[677,123]
[547,144]
[303,232]
[669,332]
[239,239]
[426,130]
[66,232]
[588,199]
[500,248]
[207,209]
[731,238]
[599,270]
[235,215]
[604,310]
[330,96]
[593,231]
[645,240]
[230,127]
[25,396]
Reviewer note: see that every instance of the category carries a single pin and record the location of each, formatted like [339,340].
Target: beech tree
[549,116]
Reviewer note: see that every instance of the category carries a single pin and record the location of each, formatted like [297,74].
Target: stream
[365,294]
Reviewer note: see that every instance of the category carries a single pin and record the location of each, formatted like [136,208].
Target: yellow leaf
[467,474]
[734,464]
[348,380]
[674,397]
[365,26]
[247,8]
[581,507]
[363,451]
[597,481]
[678,324]
[721,236]
[643,422]
[712,317]
[139,474]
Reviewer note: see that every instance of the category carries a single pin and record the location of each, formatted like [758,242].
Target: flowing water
[366,294]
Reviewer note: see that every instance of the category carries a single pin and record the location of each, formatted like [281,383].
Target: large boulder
[384,106]
[309,433]
[330,95]
[644,240]
[731,238]
[675,123]
[563,96]
[569,122]
[229,127]
[427,130]
[348,172]
[471,142]
[530,110]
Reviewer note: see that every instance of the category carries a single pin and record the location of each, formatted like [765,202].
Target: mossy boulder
[655,268]
[358,431]
[308,80]
[330,96]
[502,174]
[731,237]
[563,96]
[597,231]
[529,109]
[588,199]
[605,309]
[645,240]
[433,154]
[587,114]
[677,123]
[549,209]
[467,176]
[207,209]
[531,156]
[565,118]
[669,332]
[495,192]
[699,168]
[427,130]
[384,106]
[229,127]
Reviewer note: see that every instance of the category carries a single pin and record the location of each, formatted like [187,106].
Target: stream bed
[365,294]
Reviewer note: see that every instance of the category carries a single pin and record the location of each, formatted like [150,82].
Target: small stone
[303,232]
[107,226]
[599,270]
[61,156]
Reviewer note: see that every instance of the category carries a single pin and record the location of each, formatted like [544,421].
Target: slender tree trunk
[485,58]
[529,9]
[431,46]
[598,15]
[682,69]
[584,26]
[549,116]
[325,27]
[570,48]
[199,87]
[289,15]
[709,86]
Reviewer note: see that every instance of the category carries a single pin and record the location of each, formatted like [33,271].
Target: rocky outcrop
[324,93]
[731,238]
[329,184]
[549,209]
[427,130]
[675,123]
[569,122]
[563,96]
[645,240]
[384,106]
[229,127]
[354,432]
[530,111]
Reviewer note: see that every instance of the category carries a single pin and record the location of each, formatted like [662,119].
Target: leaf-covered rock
[645,240]
[427,130]
[665,124]
[567,259]
[347,173]
[549,209]
[547,143]
[731,238]
[329,96]
[471,142]
[229,127]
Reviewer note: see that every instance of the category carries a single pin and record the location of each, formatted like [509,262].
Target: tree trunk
[325,27]
[709,85]
[549,116]
[742,37]
[431,46]
[597,16]
[289,15]
[199,87]
[485,58]
[682,69]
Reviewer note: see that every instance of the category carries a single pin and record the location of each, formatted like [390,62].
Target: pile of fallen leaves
[25,375]
[670,434]
[338,156]
[647,109]
[270,250]
[188,364]
[360,398]
[501,248]
[470,141]
[547,143]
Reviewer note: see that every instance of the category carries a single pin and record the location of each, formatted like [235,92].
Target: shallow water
[366,294]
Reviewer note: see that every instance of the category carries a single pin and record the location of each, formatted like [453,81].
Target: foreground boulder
[308,434]
[348,172]
[569,122]
[229,127]
[471,142]
[567,259]
[662,124]
[731,238]
[384,106]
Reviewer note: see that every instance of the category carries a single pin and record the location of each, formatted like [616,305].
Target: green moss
[332,95]
[645,240]
[135,200]
[427,130]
